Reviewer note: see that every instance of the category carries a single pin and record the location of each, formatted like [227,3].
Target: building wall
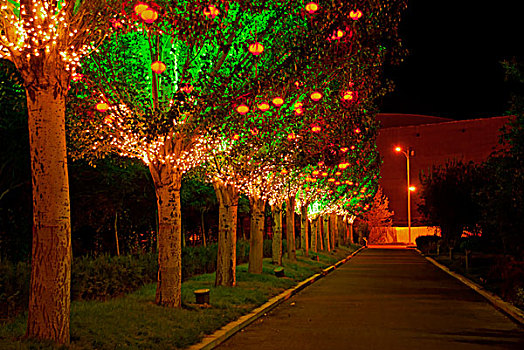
[434,144]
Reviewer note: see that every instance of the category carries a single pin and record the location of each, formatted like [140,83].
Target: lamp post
[408,153]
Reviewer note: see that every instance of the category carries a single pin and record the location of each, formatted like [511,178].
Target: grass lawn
[135,322]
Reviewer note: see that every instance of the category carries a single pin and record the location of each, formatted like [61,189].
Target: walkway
[383,299]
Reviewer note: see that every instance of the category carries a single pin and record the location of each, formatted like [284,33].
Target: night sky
[453,67]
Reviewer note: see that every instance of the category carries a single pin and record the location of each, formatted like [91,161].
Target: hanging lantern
[278,101]
[109,119]
[315,96]
[321,163]
[254,132]
[291,136]
[140,7]
[340,33]
[299,111]
[316,128]
[187,88]
[264,106]
[324,174]
[102,106]
[158,67]
[211,12]
[338,173]
[236,137]
[357,131]
[311,7]
[352,147]
[284,172]
[331,180]
[149,15]
[344,149]
[348,95]
[242,109]
[337,183]
[256,48]
[355,14]
[316,172]
[343,166]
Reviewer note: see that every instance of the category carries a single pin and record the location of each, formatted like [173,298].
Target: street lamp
[408,153]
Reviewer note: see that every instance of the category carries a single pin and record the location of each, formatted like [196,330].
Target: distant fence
[396,234]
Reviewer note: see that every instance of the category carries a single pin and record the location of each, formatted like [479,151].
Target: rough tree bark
[49,301]
[227,197]
[314,235]
[333,230]
[276,213]
[341,230]
[327,245]
[167,182]
[350,233]
[304,239]
[256,235]
[290,228]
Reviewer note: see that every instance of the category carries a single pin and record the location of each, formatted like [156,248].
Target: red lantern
[315,96]
[299,111]
[187,88]
[236,137]
[140,7]
[357,131]
[343,165]
[109,119]
[211,12]
[344,149]
[158,67]
[149,15]
[355,14]
[102,106]
[324,174]
[316,172]
[284,172]
[242,109]
[311,7]
[264,106]
[256,48]
[278,101]
[316,128]
[254,132]
[291,136]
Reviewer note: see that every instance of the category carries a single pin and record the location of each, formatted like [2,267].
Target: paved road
[383,299]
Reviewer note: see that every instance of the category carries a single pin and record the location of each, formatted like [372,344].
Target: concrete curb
[213,340]
[514,313]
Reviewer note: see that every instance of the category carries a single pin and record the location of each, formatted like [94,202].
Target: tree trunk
[340,230]
[116,234]
[49,301]
[276,212]
[256,235]
[304,239]
[327,245]
[350,232]
[227,197]
[333,230]
[290,228]
[169,284]
[202,227]
[314,235]
[320,237]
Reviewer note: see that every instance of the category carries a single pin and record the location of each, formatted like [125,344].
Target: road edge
[512,312]
[218,337]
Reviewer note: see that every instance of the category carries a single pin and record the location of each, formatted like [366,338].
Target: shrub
[14,287]
[507,277]
[428,243]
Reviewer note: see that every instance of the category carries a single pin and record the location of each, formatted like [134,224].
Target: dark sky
[453,67]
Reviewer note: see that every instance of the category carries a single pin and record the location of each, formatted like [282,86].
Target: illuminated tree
[378,216]
[45,40]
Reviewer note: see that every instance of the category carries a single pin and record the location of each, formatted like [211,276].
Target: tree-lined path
[383,299]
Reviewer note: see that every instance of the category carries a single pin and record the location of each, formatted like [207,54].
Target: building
[434,142]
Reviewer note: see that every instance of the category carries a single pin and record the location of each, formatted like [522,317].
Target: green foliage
[447,199]
[428,244]
[14,287]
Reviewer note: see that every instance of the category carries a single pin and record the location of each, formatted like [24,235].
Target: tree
[378,217]
[447,199]
[45,41]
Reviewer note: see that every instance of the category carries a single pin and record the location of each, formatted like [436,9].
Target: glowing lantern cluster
[316,96]
[344,149]
[102,106]
[242,109]
[298,108]
[148,14]
[256,48]
[348,95]
[187,88]
[355,15]
[264,106]
[211,12]
[158,67]
[337,34]
[291,136]
[278,101]
[311,7]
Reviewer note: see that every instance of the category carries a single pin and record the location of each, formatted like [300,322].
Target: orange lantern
[311,7]
[211,12]
[256,48]
[278,101]
[242,109]
[149,15]
[316,128]
[331,179]
[299,111]
[284,172]
[291,136]
[357,131]
[337,183]
[343,166]
[315,96]
[355,14]
[236,137]
[344,149]
[187,88]
[109,119]
[324,174]
[254,132]
[102,106]
[347,95]
[140,7]
[338,173]
[264,106]
[316,172]
[158,67]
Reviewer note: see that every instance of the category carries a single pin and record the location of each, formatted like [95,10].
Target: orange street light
[408,153]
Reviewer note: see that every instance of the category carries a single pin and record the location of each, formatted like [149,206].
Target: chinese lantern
[344,149]
[102,106]
[236,137]
[316,128]
[343,166]
[264,106]
[278,101]
[242,109]
[291,136]
[149,15]
[254,132]
[338,173]
[211,12]
[187,88]
[357,131]
[315,96]
[158,67]
[284,172]
[355,14]
[311,7]
[331,179]
[324,174]
[316,172]
[256,48]
[140,7]
[347,95]
[299,111]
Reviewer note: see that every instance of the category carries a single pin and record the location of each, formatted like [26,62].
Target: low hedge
[109,276]
[427,244]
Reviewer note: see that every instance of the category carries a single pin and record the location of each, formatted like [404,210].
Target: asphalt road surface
[383,299]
